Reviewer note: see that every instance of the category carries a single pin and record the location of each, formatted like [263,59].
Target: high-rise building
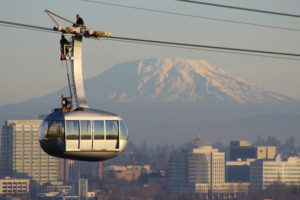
[21,155]
[201,168]
[83,169]
[242,150]
[177,172]
[206,165]
[245,150]
[83,188]
[238,171]
[264,172]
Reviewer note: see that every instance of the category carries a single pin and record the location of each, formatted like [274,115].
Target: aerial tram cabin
[76,131]
[83,134]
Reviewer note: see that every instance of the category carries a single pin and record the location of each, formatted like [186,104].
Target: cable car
[76,131]
[83,134]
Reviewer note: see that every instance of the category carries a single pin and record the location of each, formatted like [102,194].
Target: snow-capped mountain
[168,100]
[175,79]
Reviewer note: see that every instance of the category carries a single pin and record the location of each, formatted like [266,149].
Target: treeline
[275,191]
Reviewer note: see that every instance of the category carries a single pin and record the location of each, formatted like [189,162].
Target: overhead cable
[241,8]
[202,49]
[190,15]
[26,26]
[197,46]
[172,44]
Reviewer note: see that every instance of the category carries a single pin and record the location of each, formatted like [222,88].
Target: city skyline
[30,55]
[195,166]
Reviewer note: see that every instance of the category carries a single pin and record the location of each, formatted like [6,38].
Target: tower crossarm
[77,30]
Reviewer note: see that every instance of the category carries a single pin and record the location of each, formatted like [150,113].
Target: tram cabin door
[72,135]
[78,135]
[106,135]
[99,135]
[85,142]
[112,135]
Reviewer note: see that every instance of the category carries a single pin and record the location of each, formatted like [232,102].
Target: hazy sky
[30,65]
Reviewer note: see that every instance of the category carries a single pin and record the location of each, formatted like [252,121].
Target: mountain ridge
[177,79]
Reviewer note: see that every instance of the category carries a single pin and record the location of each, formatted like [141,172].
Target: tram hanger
[75,131]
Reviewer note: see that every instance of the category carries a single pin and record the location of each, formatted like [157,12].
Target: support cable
[47,11]
[190,15]
[202,49]
[26,26]
[204,46]
[240,8]
[171,44]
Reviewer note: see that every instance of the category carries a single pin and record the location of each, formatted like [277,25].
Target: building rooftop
[195,144]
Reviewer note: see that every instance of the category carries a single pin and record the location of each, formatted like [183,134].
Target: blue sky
[30,65]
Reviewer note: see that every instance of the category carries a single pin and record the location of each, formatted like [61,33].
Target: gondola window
[72,130]
[112,129]
[99,129]
[85,129]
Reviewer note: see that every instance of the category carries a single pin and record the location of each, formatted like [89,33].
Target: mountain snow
[177,79]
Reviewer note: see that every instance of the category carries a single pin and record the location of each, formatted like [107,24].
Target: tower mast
[76,82]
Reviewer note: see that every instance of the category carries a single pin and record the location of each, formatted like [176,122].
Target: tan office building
[266,152]
[264,172]
[206,165]
[14,186]
[245,150]
[21,155]
[201,168]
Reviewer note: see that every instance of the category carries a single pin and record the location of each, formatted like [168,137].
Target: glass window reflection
[85,129]
[72,130]
[112,129]
[43,129]
[123,130]
[99,129]
[55,130]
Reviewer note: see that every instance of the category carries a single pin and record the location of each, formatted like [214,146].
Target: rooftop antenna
[199,133]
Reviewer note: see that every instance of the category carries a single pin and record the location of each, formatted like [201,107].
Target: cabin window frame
[104,131]
[44,130]
[123,136]
[52,130]
[89,129]
[73,137]
[112,136]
